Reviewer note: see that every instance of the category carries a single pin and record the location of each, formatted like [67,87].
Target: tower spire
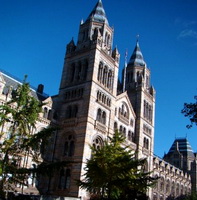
[137,57]
[98,13]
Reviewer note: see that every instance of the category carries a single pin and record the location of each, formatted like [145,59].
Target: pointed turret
[116,55]
[137,57]
[96,30]
[70,47]
[183,146]
[98,14]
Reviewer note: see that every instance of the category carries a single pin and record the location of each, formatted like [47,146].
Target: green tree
[113,172]
[192,196]
[17,119]
[190,111]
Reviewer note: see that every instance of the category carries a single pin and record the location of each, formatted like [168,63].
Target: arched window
[104,117]
[147,81]
[109,79]
[173,189]
[103,97]
[120,129]
[146,114]
[104,76]
[144,143]
[144,109]
[145,167]
[167,186]
[115,126]
[110,103]
[67,179]
[64,179]
[74,111]
[69,146]
[147,144]
[124,132]
[72,72]
[97,96]
[104,100]
[129,136]
[61,179]
[177,189]
[124,110]
[108,41]
[100,71]
[133,137]
[69,112]
[45,113]
[106,38]
[99,115]
[162,184]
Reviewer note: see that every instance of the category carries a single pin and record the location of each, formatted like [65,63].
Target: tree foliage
[190,111]
[17,121]
[113,172]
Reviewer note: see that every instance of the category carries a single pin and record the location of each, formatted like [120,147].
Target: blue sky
[34,34]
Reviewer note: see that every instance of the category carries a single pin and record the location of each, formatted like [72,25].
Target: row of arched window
[171,188]
[130,136]
[123,111]
[69,146]
[146,143]
[148,111]
[71,111]
[78,71]
[105,76]
[64,179]
[101,97]
[101,116]
[147,129]
[74,94]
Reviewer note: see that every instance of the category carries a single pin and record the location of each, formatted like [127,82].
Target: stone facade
[90,107]
[7,84]
[172,183]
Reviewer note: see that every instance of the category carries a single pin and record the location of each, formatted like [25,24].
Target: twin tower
[90,106]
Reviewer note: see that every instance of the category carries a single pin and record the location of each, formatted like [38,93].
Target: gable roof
[13,82]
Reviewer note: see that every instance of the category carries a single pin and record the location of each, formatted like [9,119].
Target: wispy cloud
[187,29]
[189,23]
[188,33]
[184,23]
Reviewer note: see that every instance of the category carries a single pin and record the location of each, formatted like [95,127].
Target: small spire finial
[125,66]
[137,37]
